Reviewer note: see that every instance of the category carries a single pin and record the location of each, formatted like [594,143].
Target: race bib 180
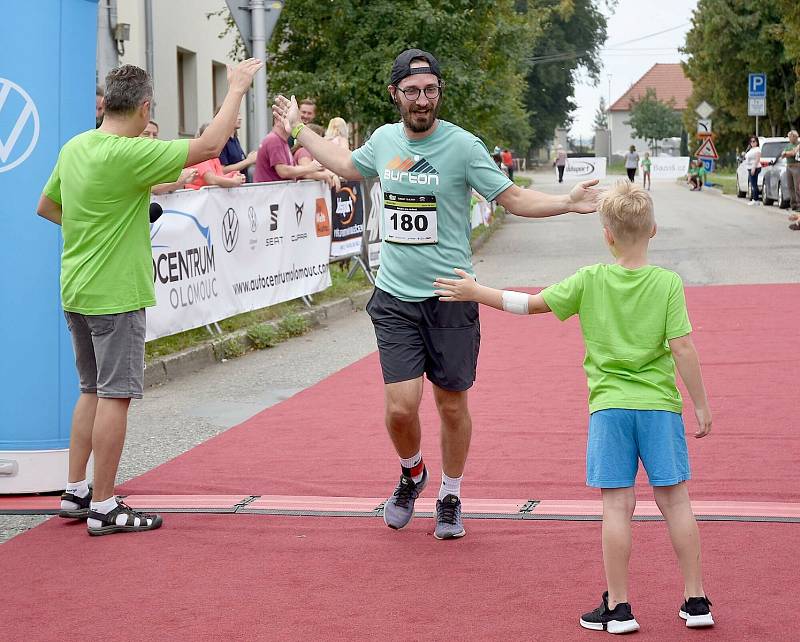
[409,218]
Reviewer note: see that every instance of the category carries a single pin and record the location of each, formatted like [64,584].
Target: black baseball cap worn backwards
[402,65]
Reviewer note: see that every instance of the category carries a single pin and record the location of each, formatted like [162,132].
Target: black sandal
[795,226]
[82,512]
[109,521]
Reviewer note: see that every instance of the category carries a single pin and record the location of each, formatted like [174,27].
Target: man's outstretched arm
[330,155]
[582,199]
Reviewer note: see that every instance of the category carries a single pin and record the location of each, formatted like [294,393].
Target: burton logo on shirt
[416,171]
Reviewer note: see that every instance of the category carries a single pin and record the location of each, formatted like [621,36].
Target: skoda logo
[19,125]
[253,218]
[230,229]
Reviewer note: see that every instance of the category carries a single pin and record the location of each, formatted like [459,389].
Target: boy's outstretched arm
[467,289]
[685,355]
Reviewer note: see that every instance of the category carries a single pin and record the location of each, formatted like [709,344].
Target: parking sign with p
[757,85]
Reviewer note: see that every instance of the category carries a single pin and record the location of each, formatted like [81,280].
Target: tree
[569,36]
[729,39]
[653,119]
[601,115]
[343,53]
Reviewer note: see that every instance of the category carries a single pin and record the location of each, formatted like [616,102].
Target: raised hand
[240,77]
[463,289]
[286,112]
[585,197]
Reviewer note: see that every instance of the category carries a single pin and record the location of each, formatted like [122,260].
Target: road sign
[757,85]
[704,110]
[756,106]
[707,149]
[708,164]
[704,126]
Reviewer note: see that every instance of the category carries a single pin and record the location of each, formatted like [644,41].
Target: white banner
[220,252]
[584,169]
[669,167]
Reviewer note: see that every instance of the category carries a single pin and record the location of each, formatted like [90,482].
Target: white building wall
[179,24]
[622,138]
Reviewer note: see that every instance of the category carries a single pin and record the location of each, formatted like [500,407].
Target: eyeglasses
[412,93]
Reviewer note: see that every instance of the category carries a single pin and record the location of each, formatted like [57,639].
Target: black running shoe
[617,620]
[81,510]
[134,521]
[696,612]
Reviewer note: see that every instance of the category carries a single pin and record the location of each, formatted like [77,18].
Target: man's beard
[419,120]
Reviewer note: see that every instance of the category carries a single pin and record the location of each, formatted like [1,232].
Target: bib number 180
[407,222]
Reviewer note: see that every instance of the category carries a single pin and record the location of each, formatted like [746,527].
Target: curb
[196,358]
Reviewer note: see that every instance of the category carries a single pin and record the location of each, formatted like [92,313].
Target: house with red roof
[669,83]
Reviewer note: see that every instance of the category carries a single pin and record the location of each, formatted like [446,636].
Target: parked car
[776,184]
[771,148]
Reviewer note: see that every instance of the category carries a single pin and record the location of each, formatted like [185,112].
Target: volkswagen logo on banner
[230,229]
[253,218]
[19,125]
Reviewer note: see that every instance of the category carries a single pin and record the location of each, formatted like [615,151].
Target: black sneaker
[82,506]
[134,521]
[696,612]
[616,620]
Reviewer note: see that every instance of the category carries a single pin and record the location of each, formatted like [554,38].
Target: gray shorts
[431,337]
[109,352]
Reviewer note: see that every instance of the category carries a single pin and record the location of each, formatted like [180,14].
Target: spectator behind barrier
[275,161]
[233,158]
[99,106]
[508,162]
[188,174]
[210,172]
[338,132]
[300,154]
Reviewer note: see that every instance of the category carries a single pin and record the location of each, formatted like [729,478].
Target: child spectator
[646,165]
[636,330]
[210,172]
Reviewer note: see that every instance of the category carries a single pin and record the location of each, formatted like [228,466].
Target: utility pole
[259,49]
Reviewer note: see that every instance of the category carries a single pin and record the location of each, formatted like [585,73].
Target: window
[187,93]
[219,83]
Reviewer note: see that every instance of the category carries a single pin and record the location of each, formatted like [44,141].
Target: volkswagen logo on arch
[19,125]
[230,229]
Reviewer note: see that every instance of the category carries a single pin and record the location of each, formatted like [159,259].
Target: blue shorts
[618,438]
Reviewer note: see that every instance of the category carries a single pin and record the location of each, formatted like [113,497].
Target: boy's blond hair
[627,211]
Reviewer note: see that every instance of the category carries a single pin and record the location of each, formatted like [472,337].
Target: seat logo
[19,125]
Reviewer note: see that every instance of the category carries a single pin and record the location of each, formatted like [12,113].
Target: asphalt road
[706,237]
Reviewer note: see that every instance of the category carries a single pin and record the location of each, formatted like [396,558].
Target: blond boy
[636,330]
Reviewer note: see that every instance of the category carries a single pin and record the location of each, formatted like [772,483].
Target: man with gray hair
[99,192]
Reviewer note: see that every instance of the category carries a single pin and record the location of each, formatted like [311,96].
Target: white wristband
[515,302]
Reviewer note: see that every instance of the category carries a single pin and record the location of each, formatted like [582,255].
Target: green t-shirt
[791,160]
[646,163]
[427,185]
[627,317]
[102,183]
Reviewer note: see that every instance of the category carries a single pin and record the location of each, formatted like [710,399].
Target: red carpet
[248,577]
[530,417]
[257,577]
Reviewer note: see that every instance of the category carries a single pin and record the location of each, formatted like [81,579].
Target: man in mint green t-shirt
[99,192]
[427,168]
[636,330]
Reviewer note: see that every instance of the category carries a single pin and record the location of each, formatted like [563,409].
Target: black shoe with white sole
[617,620]
[123,519]
[696,612]
[81,505]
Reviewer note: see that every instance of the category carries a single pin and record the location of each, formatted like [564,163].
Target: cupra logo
[19,125]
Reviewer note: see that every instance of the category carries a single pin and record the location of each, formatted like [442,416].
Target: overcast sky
[626,63]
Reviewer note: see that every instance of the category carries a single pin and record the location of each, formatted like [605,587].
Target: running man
[427,168]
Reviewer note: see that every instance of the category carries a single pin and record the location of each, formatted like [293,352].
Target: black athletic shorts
[431,337]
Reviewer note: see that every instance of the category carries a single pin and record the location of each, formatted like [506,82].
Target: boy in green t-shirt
[636,330]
